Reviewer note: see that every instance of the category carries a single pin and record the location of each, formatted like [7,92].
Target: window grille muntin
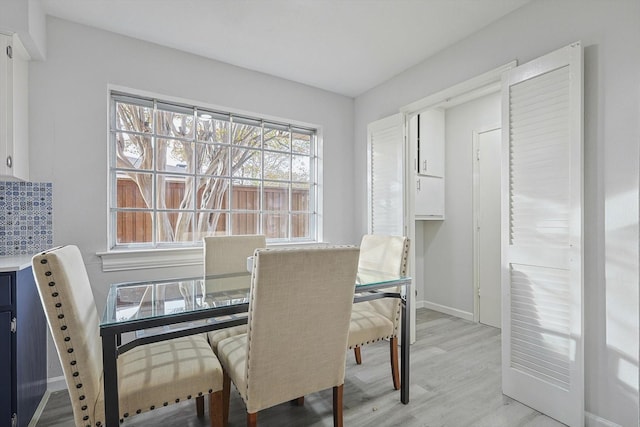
[184,126]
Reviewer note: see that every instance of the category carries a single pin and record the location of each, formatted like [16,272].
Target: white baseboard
[446,310]
[592,420]
[56,384]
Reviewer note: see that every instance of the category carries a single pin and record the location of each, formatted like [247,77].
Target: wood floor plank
[455,382]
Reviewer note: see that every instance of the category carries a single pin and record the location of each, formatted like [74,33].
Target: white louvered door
[542,335]
[385,172]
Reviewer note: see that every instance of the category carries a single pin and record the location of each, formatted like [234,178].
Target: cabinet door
[31,350]
[14,109]
[20,108]
[429,200]
[5,368]
[431,143]
[6,100]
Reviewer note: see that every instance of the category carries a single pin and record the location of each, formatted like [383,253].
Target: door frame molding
[475,209]
[475,87]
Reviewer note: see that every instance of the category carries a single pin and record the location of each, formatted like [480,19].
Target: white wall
[68,128]
[448,245]
[610,33]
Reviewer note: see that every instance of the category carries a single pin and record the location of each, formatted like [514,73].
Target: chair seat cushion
[232,352]
[185,365]
[367,326]
[216,336]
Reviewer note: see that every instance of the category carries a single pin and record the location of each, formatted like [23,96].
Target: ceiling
[343,46]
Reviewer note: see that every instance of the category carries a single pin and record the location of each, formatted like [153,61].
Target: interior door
[386,172]
[488,231]
[387,202]
[542,339]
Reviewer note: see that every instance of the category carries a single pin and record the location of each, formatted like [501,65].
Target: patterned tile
[26,217]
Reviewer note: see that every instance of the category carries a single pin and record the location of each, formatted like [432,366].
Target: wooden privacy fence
[136,227]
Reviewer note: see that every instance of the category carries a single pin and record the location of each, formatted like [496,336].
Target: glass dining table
[138,313]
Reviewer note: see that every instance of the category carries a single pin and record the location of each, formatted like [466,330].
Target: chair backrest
[71,313]
[299,313]
[228,254]
[388,254]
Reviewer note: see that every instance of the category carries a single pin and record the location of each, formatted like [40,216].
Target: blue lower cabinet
[23,348]
[6,361]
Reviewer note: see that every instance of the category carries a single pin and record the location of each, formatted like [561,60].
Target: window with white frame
[181,172]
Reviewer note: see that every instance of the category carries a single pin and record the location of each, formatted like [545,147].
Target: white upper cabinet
[431,143]
[14,109]
[426,139]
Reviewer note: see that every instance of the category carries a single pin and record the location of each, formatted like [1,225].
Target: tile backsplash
[26,217]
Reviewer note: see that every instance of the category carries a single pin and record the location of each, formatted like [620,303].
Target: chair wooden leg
[226,391]
[216,409]
[298,402]
[337,405]
[393,347]
[356,352]
[252,419]
[200,406]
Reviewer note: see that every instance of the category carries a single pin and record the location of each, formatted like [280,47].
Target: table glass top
[138,300]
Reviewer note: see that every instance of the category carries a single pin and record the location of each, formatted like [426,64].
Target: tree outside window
[179,173]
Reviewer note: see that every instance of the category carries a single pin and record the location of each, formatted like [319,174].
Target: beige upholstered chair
[379,319]
[299,311]
[149,376]
[228,254]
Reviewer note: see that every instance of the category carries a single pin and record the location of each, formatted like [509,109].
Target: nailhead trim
[67,339]
[70,350]
[396,321]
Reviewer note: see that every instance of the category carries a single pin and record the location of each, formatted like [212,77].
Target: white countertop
[14,262]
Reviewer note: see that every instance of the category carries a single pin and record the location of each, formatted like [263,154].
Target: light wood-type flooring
[455,382]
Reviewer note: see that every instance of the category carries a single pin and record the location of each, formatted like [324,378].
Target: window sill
[141,259]
[150,258]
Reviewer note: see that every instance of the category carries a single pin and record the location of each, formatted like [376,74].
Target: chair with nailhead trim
[299,309]
[149,376]
[228,254]
[377,320]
